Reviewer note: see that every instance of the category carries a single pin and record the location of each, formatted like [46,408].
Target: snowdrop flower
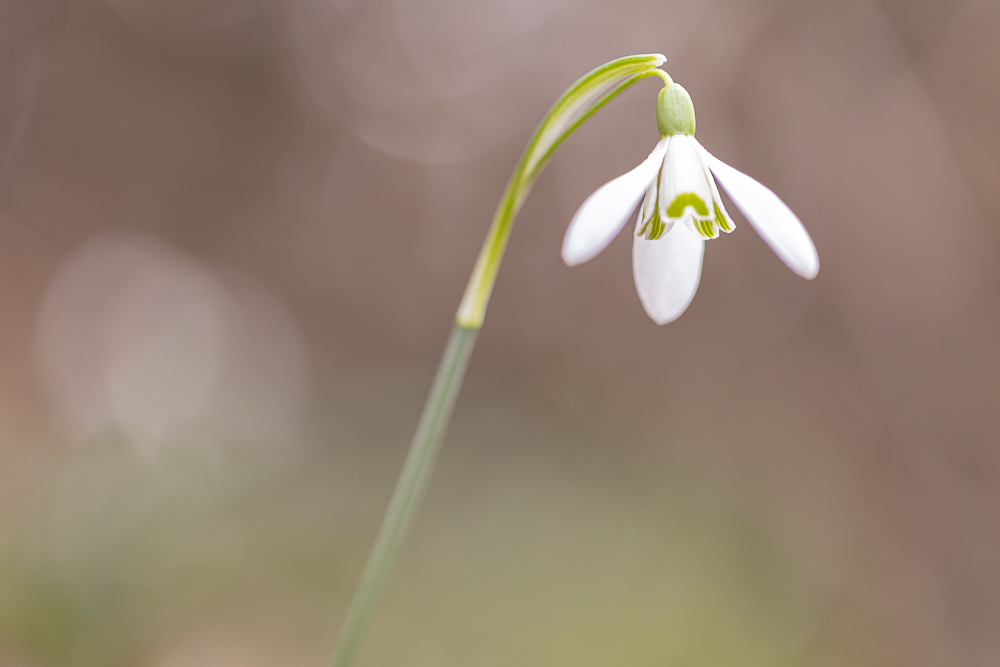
[678,179]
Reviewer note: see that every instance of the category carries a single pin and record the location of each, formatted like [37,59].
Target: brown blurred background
[233,234]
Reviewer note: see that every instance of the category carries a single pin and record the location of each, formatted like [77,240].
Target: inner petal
[684,189]
[649,224]
[722,219]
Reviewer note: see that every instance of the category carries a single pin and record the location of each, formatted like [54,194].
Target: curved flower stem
[472,310]
[577,104]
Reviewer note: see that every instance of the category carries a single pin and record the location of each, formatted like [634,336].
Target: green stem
[576,105]
[409,491]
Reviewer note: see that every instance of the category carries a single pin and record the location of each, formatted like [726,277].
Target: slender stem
[409,491]
[584,98]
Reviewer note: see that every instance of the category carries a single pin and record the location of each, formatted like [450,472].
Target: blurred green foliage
[521,559]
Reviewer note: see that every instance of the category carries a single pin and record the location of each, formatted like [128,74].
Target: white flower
[678,179]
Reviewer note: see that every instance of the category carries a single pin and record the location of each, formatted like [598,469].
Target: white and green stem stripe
[583,99]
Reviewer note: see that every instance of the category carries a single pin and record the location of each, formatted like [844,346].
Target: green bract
[674,111]
[581,101]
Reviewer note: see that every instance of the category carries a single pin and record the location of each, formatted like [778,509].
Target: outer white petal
[605,212]
[770,216]
[667,272]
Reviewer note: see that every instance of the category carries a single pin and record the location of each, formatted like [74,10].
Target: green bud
[674,111]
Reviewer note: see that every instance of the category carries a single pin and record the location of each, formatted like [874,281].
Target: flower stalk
[581,101]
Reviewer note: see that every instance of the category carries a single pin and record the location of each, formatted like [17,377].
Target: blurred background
[233,234]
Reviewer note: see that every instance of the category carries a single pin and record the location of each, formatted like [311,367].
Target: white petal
[667,272]
[647,210]
[605,212]
[648,205]
[770,216]
[717,201]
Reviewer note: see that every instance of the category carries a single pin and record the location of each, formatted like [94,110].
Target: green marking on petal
[653,228]
[682,201]
[720,219]
[645,228]
[705,228]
